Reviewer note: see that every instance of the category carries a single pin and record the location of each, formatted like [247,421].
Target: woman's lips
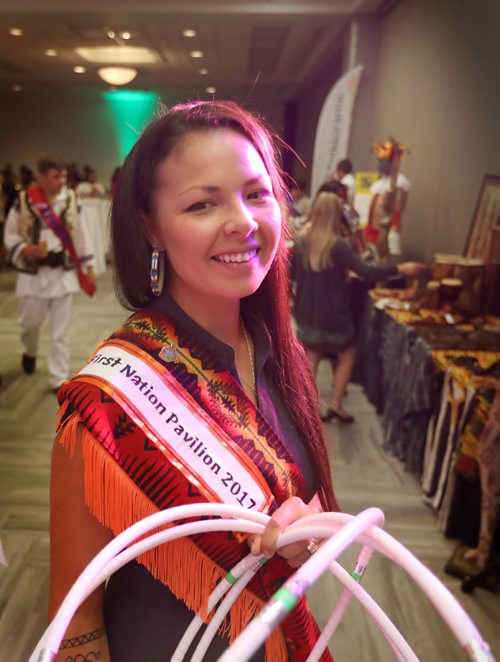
[240,257]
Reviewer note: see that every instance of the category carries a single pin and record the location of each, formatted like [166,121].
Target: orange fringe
[117,503]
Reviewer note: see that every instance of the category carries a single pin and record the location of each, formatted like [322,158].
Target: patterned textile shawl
[128,478]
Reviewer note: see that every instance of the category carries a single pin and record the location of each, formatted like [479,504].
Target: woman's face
[216,217]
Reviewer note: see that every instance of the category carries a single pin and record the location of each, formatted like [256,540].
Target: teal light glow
[131,111]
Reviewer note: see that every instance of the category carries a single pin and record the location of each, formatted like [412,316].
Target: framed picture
[482,241]
[363,196]
[364,180]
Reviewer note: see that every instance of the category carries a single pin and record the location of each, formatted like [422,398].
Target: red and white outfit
[48,291]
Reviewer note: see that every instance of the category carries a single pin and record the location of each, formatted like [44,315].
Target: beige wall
[439,91]
[432,80]
[77,127]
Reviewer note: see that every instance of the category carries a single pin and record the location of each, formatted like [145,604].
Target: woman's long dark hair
[133,202]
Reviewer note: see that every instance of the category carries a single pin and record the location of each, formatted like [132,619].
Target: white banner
[334,127]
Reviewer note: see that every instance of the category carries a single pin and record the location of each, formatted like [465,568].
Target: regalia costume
[140,398]
[46,286]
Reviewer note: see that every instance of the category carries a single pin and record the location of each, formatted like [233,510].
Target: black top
[268,398]
[144,620]
[322,307]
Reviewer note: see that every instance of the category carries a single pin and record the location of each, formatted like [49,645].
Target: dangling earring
[157,274]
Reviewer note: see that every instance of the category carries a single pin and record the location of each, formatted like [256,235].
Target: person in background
[301,201]
[345,175]
[74,177]
[90,187]
[350,227]
[300,204]
[26,177]
[389,199]
[200,256]
[10,190]
[321,260]
[49,247]
[2,221]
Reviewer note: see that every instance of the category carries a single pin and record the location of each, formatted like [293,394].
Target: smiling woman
[207,395]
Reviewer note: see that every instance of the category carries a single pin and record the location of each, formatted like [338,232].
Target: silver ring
[312,546]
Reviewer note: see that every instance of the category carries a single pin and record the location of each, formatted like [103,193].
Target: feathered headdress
[389,150]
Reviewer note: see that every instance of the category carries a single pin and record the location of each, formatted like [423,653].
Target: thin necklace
[249,348]
[168,354]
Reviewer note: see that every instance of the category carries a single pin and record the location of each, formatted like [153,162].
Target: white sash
[178,427]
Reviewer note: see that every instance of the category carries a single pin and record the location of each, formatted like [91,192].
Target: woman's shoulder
[300,240]
[341,247]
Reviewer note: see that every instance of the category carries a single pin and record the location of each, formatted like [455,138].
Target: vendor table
[436,386]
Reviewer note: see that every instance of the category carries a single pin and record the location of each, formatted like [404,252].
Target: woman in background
[321,261]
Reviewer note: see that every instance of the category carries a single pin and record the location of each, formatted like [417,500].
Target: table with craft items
[435,381]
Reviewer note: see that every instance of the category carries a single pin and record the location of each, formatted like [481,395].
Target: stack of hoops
[336,530]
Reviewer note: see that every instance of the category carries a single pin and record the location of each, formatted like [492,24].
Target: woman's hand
[295,554]
[91,275]
[411,268]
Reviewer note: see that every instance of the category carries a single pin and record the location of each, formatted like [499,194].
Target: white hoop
[337,530]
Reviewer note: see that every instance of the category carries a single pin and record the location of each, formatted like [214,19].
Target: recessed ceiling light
[125,35]
[203,71]
[111,34]
[17,88]
[189,33]
[79,70]
[117,55]
[16,32]
[196,54]
[50,52]
[211,90]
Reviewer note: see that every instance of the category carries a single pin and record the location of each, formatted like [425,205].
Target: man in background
[389,199]
[346,177]
[49,247]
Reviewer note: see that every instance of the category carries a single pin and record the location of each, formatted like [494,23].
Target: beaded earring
[157,273]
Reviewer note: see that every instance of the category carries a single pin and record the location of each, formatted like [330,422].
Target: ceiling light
[50,52]
[117,75]
[211,90]
[189,33]
[113,55]
[79,70]
[16,32]
[125,35]
[17,88]
[111,34]
[196,54]
[203,71]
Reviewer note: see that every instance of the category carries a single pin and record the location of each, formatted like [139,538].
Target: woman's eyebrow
[209,188]
[206,188]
